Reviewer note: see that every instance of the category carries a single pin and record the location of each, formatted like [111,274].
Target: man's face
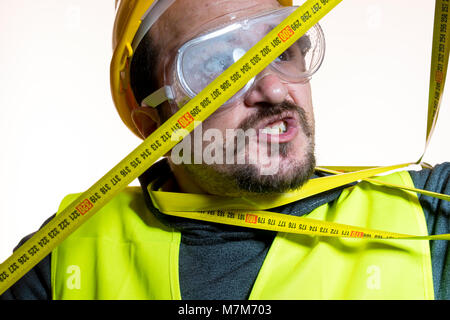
[273,161]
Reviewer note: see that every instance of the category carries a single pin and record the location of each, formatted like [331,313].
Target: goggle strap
[158,97]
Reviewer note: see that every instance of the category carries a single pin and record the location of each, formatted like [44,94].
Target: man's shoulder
[437,214]
[36,283]
[437,211]
[435,179]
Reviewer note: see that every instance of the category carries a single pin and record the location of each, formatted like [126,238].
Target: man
[130,250]
[255,110]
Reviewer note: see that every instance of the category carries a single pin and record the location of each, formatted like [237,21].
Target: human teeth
[276,129]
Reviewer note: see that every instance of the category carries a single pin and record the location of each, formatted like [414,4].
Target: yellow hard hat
[129,29]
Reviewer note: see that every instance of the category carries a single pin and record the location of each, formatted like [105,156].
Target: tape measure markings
[291,224]
[439,66]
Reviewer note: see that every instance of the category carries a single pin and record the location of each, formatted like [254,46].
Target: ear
[146,119]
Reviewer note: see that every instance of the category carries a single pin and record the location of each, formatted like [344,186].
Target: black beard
[238,179]
[248,178]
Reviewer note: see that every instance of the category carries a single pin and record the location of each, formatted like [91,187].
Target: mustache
[267,109]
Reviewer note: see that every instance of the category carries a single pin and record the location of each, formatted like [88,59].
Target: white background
[59,131]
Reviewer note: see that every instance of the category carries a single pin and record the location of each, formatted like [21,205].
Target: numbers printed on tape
[33,250]
[286,33]
[3,276]
[86,205]
[53,233]
[186,120]
[251,218]
[285,223]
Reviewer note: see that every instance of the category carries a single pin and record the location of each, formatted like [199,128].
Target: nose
[267,88]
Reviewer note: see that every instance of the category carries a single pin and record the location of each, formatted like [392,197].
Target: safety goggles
[201,60]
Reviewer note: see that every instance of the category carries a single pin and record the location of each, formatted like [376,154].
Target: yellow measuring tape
[247,211]
[439,65]
[152,148]
[286,223]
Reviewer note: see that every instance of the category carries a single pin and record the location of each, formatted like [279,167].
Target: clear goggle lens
[202,59]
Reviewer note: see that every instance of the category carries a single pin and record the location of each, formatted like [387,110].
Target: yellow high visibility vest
[124,252]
